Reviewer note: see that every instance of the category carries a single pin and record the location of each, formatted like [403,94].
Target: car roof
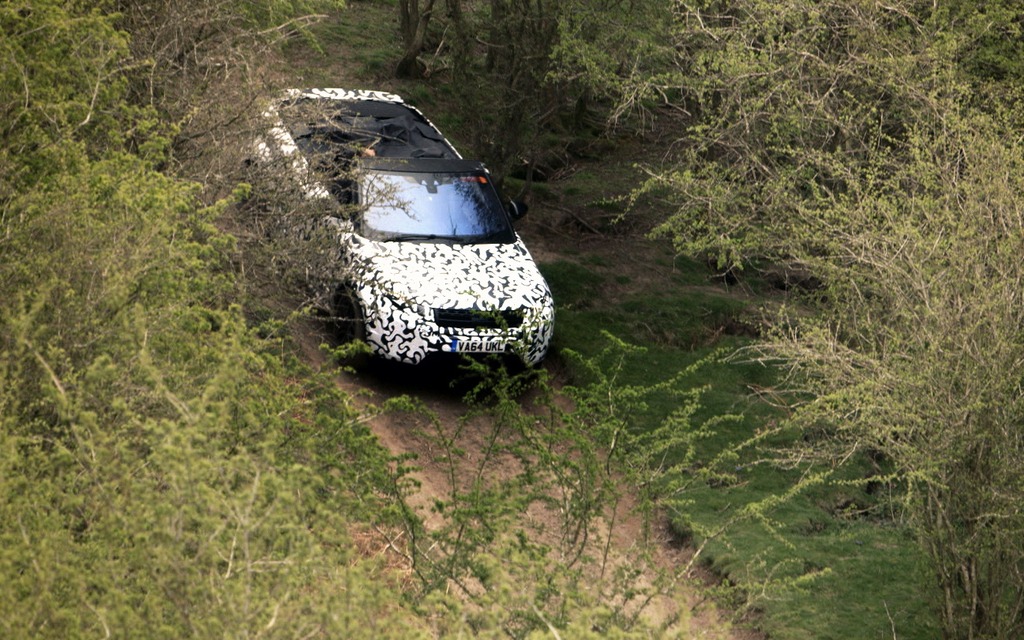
[374,120]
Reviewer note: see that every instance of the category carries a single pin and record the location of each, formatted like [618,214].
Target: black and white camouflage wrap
[345,94]
[399,284]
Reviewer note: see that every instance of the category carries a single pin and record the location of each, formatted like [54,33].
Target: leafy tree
[60,91]
[533,79]
[162,470]
[850,140]
[916,355]
[609,55]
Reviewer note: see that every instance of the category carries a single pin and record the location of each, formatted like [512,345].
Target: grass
[354,50]
[827,570]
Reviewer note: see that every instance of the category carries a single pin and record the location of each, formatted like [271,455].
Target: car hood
[456,276]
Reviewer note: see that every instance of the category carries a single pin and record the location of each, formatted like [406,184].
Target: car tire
[349,327]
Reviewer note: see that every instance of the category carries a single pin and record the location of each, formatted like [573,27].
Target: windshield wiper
[492,236]
[416,237]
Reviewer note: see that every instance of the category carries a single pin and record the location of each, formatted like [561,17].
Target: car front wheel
[350,329]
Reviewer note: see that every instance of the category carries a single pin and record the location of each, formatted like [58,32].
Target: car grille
[473,318]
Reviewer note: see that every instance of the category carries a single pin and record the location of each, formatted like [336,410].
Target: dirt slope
[615,542]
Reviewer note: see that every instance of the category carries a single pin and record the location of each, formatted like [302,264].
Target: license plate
[478,346]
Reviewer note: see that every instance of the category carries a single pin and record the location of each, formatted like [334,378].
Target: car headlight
[404,306]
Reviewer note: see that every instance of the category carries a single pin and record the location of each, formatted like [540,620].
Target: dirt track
[615,540]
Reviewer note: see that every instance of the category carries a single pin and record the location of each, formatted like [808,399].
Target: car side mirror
[517,209]
[339,224]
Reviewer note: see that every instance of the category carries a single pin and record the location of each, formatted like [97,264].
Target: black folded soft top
[351,127]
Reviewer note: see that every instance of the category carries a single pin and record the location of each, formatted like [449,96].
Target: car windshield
[427,206]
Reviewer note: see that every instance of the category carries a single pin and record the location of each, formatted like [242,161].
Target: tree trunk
[413,22]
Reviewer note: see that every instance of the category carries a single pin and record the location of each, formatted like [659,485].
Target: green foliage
[613,52]
[175,511]
[163,470]
[851,140]
[566,464]
[68,235]
[834,559]
[791,106]
[991,54]
[61,89]
[658,459]
[922,343]
[273,13]
[159,474]
[155,477]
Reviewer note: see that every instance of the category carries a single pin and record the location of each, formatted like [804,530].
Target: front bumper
[409,334]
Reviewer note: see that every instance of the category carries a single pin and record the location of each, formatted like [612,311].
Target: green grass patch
[347,51]
[601,186]
[828,562]
[572,284]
